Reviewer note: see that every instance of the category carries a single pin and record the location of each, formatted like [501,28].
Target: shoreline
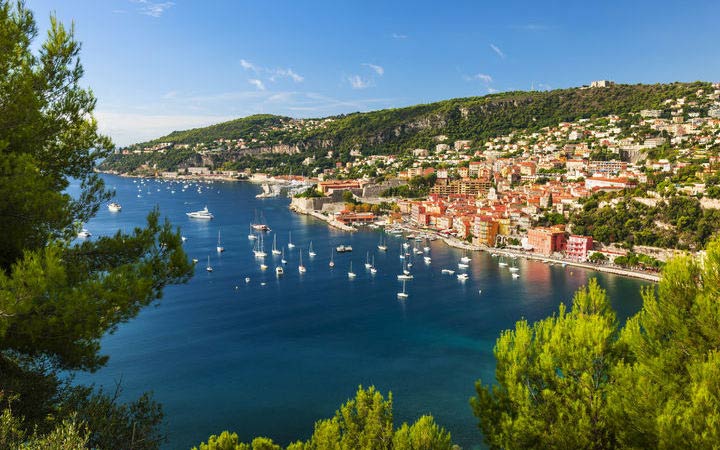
[323,217]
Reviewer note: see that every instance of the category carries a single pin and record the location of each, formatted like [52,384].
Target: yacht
[220,248]
[252,236]
[463,276]
[258,251]
[311,252]
[84,233]
[465,258]
[279,271]
[462,266]
[515,275]
[259,224]
[427,259]
[209,267]
[367,260]
[263,266]
[247,280]
[282,257]
[114,207]
[343,248]
[448,271]
[373,269]
[403,294]
[406,275]
[202,214]
[514,269]
[382,246]
[290,244]
[332,258]
[275,250]
[351,274]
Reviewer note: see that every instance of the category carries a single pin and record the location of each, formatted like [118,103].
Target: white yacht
[311,252]
[463,276]
[332,258]
[258,251]
[290,243]
[301,268]
[515,275]
[462,266]
[209,267]
[279,271]
[202,214]
[220,248]
[114,207]
[382,246]
[84,233]
[367,260]
[351,274]
[282,257]
[448,271]
[403,294]
[275,250]
[373,269]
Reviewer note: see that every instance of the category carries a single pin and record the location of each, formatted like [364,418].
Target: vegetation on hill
[58,299]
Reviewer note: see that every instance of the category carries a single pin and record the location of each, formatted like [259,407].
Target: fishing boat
[311,252]
[382,246]
[332,258]
[279,271]
[282,258]
[290,243]
[351,274]
[219,247]
[275,250]
[209,267]
[448,271]
[367,260]
[301,268]
[404,293]
[202,214]
[114,207]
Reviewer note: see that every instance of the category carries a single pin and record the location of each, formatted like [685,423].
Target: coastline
[323,217]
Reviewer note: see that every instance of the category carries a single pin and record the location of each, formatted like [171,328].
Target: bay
[220,353]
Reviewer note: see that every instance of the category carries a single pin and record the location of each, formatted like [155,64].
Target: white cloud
[257,83]
[497,50]
[483,77]
[378,69]
[399,36]
[285,73]
[170,95]
[153,9]
[247,65]
[358,82]
[492,90]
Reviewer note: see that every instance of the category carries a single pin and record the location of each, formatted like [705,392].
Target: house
[578,247]
[485,229]
[546,241]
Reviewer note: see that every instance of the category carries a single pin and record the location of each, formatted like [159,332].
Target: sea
[270,356]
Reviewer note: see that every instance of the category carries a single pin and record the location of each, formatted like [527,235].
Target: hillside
[261,141]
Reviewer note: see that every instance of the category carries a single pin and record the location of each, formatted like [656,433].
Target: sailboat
[406,275]
[466,259]
[301,268]
[220,248]
[382,246]
[373,269]
[259,224]
[290,244]
[252,235]
[275,251]
[502,262]
[403,294]
[259,252]
[367,260]
[209,267]
[282,258]
[402,254]
[351,274]
[311,252]
[279,271]
[332,258]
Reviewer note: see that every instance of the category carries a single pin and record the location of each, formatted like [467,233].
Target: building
[546,241]
[485,229]
[579,247]
[601,83]
[348,218]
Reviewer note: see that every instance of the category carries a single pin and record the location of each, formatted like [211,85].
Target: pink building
[578,247]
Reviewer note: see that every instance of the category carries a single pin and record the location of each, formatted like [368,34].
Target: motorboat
[84,233]
[463,276]
[448,271]
[202,214]
[343,248]
[279,271]
[114,207]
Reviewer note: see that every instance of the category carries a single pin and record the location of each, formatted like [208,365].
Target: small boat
[382,246]
[275,251]
[202,214]
[258,251]
[311,252]
[514,269]
[209,267]
[463,276]
[502,262]
[282,258]
[195,260]
[465,258]
[351,274]
[220,248]
[403,294]
[332,258]
[84,233]
[367,260]
[427,259]
[373,269]
[343,248]
[252,236]
[448,271]
[301,268]
[462,266]
[290,244]
[259,224]
[279,271]
[114,207]
[263,266]
[183,238]
[247,280]
[515,275]
[406,245]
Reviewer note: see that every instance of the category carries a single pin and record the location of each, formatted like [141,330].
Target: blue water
[271,360]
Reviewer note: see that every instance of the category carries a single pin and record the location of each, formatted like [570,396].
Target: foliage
[58,298]
[418,186]
[310,192]
[364,422]
[575,381]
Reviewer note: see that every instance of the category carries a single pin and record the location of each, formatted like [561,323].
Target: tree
[57,299]
[552,379]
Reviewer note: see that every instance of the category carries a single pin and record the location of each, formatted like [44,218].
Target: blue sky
[158,66]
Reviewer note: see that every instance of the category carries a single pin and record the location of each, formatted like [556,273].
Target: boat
[258,251]
[195,260]
[84,233]
[367,260]
[311,252]
[406,275]
[252,236]
[515,275]
[220,248]
[301,268]
[114,207]
[275,251]
[183,238]
[282,257]
[427,259]
[465,258]
[343,248]
[332,258]
[463,276]
[263,266]
[247,279]
[279,271]
[202,214]
[514,269]
[462,266]
[259,224]
[209,267]
[382,246]
[502,262]
[290,243]
[406,245]
[403,294]
[373,269]
[351,274]
[448,271]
